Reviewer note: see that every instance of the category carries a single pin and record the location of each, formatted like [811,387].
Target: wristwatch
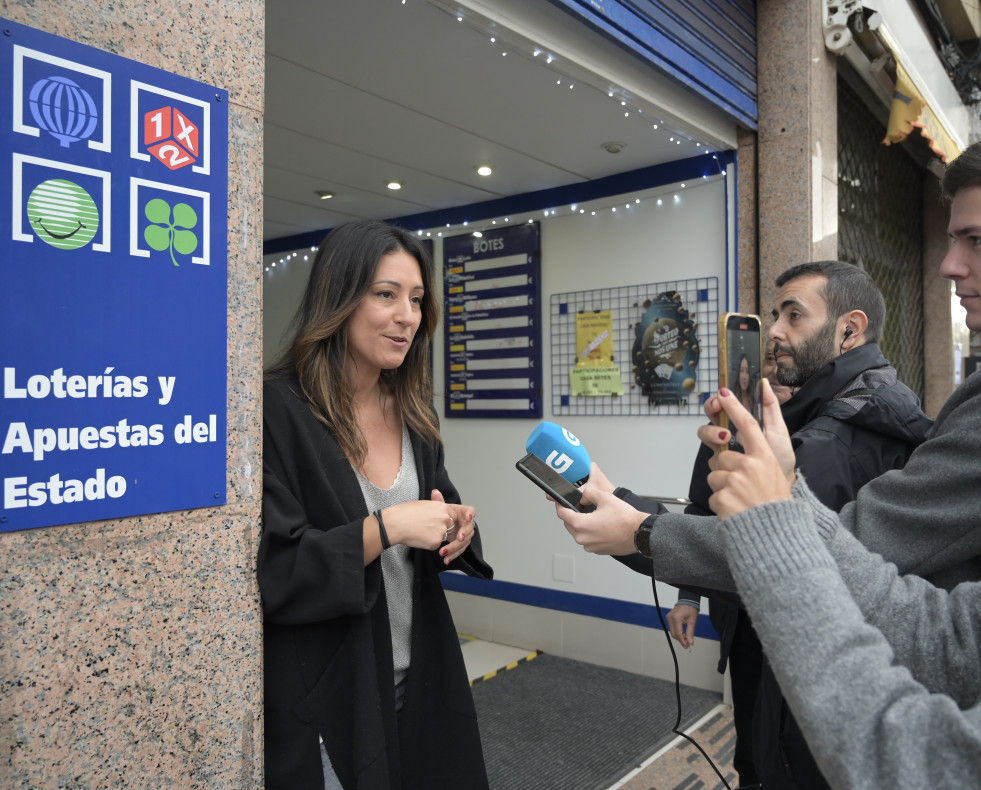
[642,537]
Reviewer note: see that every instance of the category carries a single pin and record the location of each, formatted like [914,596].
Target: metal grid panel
[700,296]
[880,205]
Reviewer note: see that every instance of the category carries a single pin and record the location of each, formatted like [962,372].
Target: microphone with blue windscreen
[561,450]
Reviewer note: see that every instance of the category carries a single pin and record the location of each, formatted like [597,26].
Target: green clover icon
[166,234]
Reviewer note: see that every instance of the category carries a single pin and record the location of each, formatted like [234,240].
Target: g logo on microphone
[560,462]
[560,450]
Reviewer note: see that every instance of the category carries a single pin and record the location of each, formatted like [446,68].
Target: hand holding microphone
[558,463]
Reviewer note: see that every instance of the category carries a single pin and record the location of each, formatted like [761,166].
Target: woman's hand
[713,410]
[764,472]
[461,534]
[428,523]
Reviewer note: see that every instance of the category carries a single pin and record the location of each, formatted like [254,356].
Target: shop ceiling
[362,93]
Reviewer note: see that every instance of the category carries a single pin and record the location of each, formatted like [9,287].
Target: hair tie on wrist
[381,530]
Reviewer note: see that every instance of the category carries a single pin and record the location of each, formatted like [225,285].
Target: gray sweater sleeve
[686,548]
[687,552]
[919,620]
[869,722]
[924,517]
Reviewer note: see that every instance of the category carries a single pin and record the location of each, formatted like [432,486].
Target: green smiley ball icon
[63,214]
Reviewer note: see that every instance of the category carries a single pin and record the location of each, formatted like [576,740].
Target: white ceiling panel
[360,92]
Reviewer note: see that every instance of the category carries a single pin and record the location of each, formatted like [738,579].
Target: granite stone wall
[131,650]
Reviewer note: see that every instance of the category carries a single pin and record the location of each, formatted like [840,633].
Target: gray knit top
[397,570]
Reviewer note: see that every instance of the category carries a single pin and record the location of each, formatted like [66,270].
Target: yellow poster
[593,381]
[594,338]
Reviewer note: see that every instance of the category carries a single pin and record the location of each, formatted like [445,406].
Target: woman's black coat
[328,653]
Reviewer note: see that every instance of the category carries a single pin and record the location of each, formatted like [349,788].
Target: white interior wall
[524,541]
[652,455]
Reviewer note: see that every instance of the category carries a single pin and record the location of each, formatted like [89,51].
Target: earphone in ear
[848,333]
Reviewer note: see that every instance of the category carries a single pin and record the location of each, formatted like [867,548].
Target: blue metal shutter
[709,46]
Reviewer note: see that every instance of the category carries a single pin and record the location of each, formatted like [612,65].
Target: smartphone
[552,483]
[741,359]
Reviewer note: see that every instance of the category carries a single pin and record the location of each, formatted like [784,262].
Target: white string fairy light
[630,105]
[626,103]
[612,206]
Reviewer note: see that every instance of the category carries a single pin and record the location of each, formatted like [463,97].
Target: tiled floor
[677,765]
[486,658]
[680,765]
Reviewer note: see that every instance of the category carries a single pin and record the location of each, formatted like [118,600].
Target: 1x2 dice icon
[171,137]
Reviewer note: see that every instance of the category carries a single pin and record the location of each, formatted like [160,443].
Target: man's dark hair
[964,171]
[847,288]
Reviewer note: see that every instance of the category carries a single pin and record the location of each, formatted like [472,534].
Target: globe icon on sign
[63,109]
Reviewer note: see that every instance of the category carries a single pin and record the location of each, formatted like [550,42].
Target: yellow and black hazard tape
[512,665]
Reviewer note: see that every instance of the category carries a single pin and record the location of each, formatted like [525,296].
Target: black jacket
[328,654]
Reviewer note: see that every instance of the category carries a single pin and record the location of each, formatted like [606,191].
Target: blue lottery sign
[113,285]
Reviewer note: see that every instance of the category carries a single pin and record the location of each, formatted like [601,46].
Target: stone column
[747,249]
[797,156]
[131,650]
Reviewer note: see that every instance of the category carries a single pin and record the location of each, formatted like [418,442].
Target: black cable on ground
[677,688]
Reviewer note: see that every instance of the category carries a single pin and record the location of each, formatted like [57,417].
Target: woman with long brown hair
[364,678]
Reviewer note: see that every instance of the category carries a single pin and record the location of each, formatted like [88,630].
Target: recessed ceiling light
[394,184]
[324,194]
[484,170]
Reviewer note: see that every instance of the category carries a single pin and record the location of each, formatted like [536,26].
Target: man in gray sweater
[880,670]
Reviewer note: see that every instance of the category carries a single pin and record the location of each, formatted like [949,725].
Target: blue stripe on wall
[574,603]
